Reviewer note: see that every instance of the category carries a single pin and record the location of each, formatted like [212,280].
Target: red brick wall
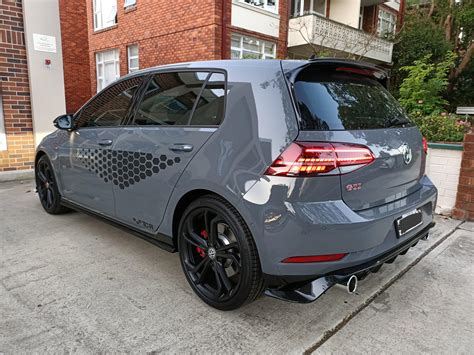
[75,45]
[14,89]
[172,31]
[465,198]
[166,32]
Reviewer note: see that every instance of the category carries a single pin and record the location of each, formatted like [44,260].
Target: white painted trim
[254,19]
[258,9]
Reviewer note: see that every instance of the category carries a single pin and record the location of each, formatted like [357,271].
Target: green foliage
[442,128]
[421,91]
[419,37]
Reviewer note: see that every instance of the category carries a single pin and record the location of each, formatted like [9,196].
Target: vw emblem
[212,253]
[406,152]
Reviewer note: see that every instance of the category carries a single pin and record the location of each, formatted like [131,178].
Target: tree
[433,28]
[421,91]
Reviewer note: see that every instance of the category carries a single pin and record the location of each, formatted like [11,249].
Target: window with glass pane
[107,67]
[305,7]
[245,47]
[105,13]
[387,23]
[170,98]
[269,5]
[210,108]
[132,52]
[110,107]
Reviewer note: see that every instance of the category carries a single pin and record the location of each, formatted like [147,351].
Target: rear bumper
[292,227]
[295,290]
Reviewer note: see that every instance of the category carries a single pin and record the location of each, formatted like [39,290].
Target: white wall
[393,4]
[252,18]
[346,12]
[46,84]
[3,136]
[443,167]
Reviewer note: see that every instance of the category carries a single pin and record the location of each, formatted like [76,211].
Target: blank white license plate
[408,222]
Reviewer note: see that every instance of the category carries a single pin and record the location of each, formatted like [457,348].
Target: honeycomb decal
[123,168]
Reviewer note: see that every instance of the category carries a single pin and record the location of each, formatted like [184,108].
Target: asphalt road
[75,283]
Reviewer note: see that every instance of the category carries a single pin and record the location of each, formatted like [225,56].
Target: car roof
[286,64]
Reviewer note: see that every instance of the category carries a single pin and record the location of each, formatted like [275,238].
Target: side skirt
[160,240]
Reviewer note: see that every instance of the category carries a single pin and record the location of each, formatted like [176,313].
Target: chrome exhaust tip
[351,285]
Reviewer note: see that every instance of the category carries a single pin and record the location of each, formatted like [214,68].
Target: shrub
[443,127]
[421,91]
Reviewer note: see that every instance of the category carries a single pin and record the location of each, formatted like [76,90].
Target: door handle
[105,142]
[181,147]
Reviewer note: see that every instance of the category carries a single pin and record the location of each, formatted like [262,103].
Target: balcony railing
[314,30]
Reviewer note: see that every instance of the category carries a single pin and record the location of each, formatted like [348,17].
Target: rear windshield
[344,101]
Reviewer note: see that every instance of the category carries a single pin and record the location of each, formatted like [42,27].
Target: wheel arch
[189,197]
[38,155]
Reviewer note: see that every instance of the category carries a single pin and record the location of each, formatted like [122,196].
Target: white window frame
[128,3]
[391,20]
[100,20]
[99,60]
[263,4]
[261,44]
[130,57]
[301,12]
[361,18]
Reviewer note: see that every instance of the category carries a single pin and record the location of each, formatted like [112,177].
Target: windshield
[343,101]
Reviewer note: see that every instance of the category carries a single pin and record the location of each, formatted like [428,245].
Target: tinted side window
[170,98]
[342,101]
[210,108]
[109,107]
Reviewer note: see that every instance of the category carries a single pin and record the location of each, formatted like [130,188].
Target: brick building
[125,35]
[119,36]
[16,125]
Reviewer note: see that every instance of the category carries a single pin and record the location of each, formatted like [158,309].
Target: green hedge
[443,127]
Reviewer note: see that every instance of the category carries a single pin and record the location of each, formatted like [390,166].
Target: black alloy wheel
[218,255]
[47,188]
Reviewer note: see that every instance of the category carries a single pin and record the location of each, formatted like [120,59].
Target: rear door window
[330,100]
[181,99]
[210,108]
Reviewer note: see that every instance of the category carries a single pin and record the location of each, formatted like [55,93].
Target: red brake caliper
[201,251]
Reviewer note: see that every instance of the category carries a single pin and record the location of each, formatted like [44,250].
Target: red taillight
[313,258]
[425,145]
[308,158]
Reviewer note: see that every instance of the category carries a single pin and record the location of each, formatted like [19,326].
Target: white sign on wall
[44,43]
[3,136]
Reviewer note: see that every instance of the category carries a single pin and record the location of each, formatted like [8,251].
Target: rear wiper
[397,123]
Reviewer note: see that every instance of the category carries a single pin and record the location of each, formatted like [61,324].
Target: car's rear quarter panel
[259,124]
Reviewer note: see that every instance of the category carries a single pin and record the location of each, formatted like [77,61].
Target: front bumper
[305,292]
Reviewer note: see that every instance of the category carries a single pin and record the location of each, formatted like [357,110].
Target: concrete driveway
[75,283]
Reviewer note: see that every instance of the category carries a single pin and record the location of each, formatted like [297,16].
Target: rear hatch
[348,103]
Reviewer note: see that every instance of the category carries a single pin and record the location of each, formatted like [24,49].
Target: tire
[47,187]
[215,244]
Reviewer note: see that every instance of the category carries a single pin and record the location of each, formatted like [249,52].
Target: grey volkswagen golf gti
[275,177]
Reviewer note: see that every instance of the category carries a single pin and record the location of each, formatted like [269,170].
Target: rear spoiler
[291,69]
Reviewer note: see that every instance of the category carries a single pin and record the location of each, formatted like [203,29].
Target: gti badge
[354,187]
[406,152]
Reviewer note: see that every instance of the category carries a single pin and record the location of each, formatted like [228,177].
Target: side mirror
[64,122]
